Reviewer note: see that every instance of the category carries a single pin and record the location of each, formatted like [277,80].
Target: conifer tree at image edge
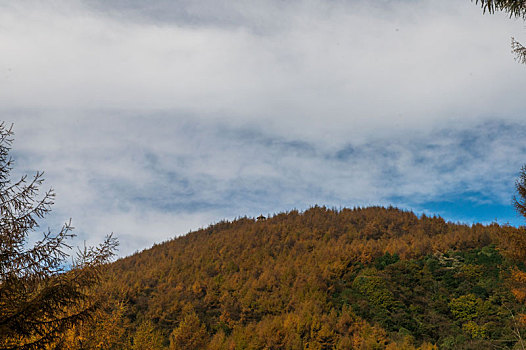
[42,292]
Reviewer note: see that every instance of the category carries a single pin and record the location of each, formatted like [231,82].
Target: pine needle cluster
[514,8]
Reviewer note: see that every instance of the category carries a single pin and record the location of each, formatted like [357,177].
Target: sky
[152,119]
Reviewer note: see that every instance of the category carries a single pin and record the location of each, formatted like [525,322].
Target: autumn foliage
[363,278]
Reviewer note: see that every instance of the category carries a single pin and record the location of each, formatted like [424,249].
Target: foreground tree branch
[40,296]
[514,8]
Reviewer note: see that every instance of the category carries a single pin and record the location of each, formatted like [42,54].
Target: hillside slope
[323,279]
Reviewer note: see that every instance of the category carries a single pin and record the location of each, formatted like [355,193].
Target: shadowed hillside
[322,279]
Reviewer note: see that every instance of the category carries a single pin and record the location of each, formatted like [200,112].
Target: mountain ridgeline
[363,278]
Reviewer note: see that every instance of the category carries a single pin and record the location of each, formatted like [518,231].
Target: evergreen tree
[40,298]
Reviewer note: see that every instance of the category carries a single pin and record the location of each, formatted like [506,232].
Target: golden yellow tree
[147,337]
[190,335]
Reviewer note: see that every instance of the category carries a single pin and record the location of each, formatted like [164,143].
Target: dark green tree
[514,8]
[42,293]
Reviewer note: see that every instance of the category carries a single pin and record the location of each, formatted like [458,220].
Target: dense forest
[363,278]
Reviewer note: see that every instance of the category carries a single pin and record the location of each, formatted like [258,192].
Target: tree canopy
[362,278]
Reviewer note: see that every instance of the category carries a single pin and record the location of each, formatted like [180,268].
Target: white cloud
[141,180]
[150,121]
[334,67]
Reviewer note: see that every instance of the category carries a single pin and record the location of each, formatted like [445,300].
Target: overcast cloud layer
[151,120]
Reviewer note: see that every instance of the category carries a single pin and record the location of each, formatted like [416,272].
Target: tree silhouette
[40,296]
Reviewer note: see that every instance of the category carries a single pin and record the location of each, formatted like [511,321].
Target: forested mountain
[364,278]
